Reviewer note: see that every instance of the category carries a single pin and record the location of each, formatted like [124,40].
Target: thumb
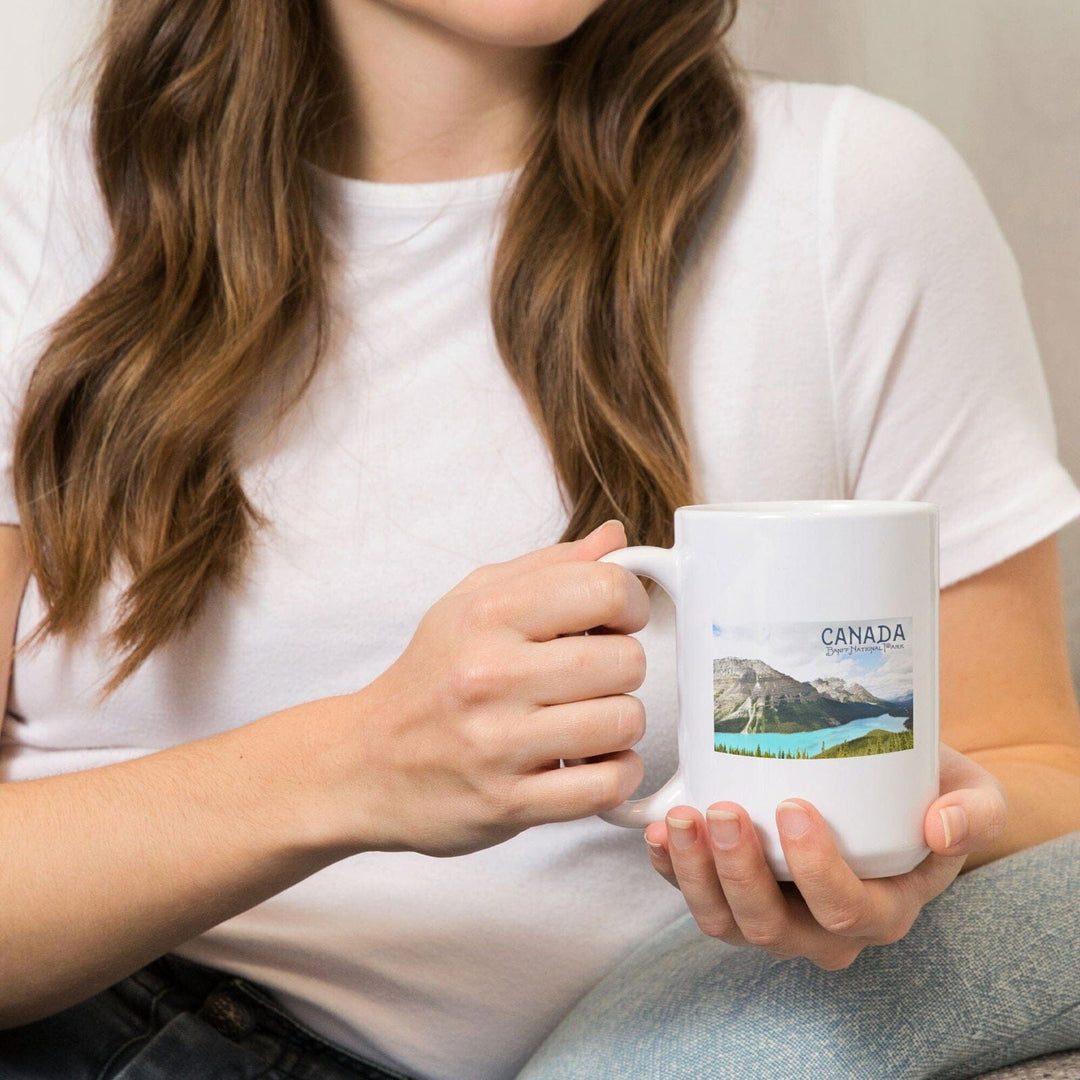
[971,812]
[604,538]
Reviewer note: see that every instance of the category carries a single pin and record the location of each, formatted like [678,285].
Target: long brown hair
[204,113]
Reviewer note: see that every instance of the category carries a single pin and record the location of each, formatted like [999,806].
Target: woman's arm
[108,868]
[103,870]
[1007,697]
[454,748]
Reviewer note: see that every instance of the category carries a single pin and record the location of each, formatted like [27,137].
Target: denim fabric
[988,975]
[177,1020]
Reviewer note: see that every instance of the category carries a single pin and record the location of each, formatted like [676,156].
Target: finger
[957,770]
[841,903]
[599,542]
[566,793]
[552,602]
[806,937]
[965,821]
[954,811]
[583,728]
[810,939]
[658,854]
[972,810]
[925,881]
[570,669]
[759,908]
[578,596]
[696,874]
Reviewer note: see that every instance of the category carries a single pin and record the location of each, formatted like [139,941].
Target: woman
[318,398]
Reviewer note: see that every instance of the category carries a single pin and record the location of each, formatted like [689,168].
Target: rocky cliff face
[750,696]
[737,682]
[839,690]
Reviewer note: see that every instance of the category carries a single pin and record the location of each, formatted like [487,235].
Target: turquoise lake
[810,741]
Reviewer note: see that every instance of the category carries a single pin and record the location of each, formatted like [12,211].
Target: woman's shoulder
[845,181]
[790,111]
[882,173]
[54,230]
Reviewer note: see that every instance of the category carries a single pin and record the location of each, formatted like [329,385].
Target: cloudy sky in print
[796,649]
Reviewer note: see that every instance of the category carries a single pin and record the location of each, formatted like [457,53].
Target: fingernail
[655,847]
[794,820]
[609,521]
[955,823]
[682,833]
[724,827]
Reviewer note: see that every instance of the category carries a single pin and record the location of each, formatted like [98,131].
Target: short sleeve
[938,386]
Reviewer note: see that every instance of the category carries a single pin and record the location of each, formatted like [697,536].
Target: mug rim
[807,508]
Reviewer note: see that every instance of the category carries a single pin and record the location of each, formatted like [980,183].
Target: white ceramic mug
[807,654]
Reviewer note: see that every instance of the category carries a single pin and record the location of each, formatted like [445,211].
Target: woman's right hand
[462,735]
[455,747]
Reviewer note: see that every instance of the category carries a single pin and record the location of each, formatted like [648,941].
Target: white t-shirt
[852,325]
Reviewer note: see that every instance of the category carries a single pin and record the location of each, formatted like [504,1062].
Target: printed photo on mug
[813,689]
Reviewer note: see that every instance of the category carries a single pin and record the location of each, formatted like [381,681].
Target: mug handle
[659,564]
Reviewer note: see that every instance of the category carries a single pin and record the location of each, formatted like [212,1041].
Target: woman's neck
[424,103]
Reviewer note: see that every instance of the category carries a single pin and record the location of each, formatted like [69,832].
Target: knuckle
[716,925]
[475,578]
[844,921]
[613,784]
[502,801]
[474,680]
[767,935]
[608,791]
[610,590]
[631,659]
[630,719]
[739,874]
[693,877]
[486,741]
[894,932]
[484,610]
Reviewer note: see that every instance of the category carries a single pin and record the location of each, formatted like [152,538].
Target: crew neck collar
[419,195]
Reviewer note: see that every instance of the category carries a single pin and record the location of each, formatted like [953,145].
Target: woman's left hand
[826,914]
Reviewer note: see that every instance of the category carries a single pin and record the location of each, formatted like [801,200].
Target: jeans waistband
[248,1014]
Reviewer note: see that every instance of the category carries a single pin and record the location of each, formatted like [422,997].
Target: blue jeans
[177,1020]
[988,975]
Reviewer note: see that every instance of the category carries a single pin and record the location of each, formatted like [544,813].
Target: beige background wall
[997,76]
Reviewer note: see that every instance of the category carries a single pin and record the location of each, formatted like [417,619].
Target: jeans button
[231,1017]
